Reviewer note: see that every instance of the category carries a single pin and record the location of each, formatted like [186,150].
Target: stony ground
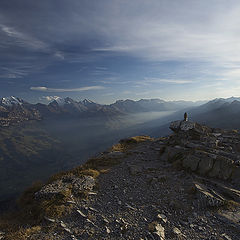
[146,197]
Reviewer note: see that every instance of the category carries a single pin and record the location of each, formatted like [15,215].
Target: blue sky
[117,49]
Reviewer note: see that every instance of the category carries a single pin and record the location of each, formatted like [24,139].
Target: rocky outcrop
[59,187]
[203,150]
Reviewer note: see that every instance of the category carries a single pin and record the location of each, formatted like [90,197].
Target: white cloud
[160,80]
[23,39]
[45,89]
[49,98]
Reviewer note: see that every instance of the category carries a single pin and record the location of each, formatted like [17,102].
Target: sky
[118,49]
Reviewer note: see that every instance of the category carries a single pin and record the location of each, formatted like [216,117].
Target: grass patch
[231,205]
[23,233]
[93,167]
[128,143]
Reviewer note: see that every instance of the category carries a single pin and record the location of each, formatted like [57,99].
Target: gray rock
[226,237]
[162,217]
[191,162]
[177,231]
[205,165]
[108,230]
[52,190]
[57,188]
[81,213]
[160,231]
[208,197]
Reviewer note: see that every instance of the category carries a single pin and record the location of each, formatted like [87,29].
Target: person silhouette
[185,117]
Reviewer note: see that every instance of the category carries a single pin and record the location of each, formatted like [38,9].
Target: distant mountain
[219,113]
[14,110]
[147,105]
[11,101]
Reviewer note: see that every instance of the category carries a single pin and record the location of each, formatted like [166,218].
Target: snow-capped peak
[87,101]
[10,101]
[62,101]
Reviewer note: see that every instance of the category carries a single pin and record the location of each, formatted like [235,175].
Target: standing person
[185,117]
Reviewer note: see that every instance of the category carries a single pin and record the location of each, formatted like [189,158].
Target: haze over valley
[38,140]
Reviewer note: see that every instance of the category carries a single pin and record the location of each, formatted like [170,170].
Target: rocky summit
[183,186]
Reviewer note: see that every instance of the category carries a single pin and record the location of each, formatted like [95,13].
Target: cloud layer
[82,89]
[118,42]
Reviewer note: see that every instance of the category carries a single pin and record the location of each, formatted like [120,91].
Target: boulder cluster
[207,151]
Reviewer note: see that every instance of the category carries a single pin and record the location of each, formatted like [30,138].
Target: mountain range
[14,110]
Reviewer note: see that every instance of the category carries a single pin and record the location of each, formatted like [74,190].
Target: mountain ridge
[14,110]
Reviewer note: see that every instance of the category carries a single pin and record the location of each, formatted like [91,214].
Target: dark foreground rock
[184,186]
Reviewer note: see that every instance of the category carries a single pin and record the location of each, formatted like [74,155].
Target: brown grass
[129,143]
[231,205]
[23,233]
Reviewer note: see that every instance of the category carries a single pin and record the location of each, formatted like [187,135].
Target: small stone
[157,229]
[73,237]
[105,220]
[92,193]
[176,231]
[81,213]
[107,230]
[48,219]
[225,236]
[67,230]
[93,209]
[130,207]
[160,231]
[63,225]
[162,217]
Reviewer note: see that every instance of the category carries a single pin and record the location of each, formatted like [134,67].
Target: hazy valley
[38,140]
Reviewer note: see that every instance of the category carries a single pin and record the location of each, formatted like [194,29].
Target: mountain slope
[184,186]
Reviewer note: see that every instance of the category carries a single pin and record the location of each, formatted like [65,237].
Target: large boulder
[191,162]
[189,127]
[61,186]
[177,126]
